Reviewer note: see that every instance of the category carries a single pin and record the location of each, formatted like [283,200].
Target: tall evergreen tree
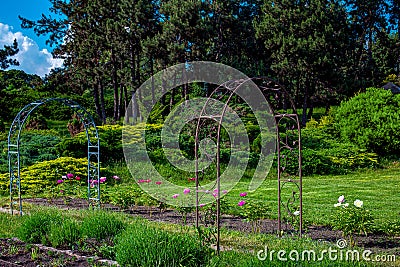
[7,52]
[307,41]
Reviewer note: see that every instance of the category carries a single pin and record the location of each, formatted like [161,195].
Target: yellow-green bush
[37,177]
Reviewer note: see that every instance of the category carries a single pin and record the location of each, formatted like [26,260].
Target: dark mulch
[14,252]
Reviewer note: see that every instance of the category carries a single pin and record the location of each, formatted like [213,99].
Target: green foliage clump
[101,225]
[352,219]
[324,153]
[371,120]
[65,233]
[143,245]
[110,142]
[41,175]
[35,145]
[36,227]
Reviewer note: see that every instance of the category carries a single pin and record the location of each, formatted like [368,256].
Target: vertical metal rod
[278,147]
[300,177]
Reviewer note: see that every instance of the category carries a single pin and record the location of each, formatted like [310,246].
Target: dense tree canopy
[323,51]
[7,52]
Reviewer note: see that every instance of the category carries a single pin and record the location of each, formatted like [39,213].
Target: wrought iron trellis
[288,148]
[93,148]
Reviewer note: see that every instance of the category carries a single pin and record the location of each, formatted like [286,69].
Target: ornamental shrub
[37,177]
[371,120]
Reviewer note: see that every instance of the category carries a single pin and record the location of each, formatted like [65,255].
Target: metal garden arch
[93,148]
[288,148]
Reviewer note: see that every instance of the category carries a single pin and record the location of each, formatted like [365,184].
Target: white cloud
[31,59]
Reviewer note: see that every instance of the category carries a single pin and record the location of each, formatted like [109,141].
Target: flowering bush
[352,219]
[253,211]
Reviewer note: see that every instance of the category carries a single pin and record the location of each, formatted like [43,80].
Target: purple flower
[186,191]
[59,181]
[243,194]
[241,203]
[224,192]
[115,177]
[103,179]
[70,176]
[175,196]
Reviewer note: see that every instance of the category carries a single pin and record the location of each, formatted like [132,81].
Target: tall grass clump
[100,224]
[66,233]
[35,228]
[143,245]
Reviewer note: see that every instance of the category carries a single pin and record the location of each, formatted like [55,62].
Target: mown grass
[378,188]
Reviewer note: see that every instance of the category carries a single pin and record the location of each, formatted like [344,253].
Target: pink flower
[341,199]
[103,179]
[175,196]
[186,191]
[77,178]
[115,177]
[192,179]
[215,190]
[62,191]
[147,181]
[93,181]
[202,205]
[224,192]
[140,181]
[70,176]
[243,194]
[241,203]
[59,181]
[158,182]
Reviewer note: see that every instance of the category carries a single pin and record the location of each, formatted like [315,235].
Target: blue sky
[34,55]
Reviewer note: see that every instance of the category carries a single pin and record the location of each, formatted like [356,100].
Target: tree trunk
[102,103]
[115,87]
[304,113]
[97,99]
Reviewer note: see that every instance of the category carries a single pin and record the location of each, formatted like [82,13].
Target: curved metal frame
[279,100]
[93,150]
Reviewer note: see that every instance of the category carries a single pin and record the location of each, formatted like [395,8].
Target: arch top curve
[93,149]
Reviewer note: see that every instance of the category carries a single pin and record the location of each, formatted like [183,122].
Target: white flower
[296,213]
[337,205]
[358,203]
[341,199]
[345,204]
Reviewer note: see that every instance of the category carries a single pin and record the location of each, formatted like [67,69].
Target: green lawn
[379,190]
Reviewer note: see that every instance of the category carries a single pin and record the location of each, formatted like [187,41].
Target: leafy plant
[352,219]
[371,120]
